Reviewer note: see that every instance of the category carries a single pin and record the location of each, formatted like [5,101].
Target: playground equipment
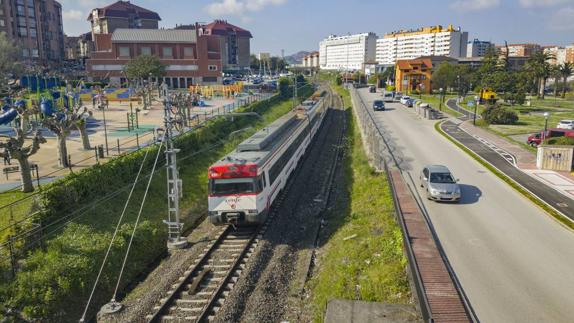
[46,107]
[210,91]
[8,114]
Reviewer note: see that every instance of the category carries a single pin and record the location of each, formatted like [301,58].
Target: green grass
[559,217]
[13,213]
[363,257]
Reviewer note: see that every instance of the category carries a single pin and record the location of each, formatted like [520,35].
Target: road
[514,261]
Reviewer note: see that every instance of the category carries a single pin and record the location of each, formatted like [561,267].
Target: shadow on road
[470,194]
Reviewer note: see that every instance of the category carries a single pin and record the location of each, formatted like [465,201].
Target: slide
[8,114]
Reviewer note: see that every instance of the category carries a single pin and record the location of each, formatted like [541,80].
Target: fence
[22,226]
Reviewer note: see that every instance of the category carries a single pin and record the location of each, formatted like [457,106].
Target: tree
[144,66]
[284,87]
[444,76]
[566,70]
[8,59]
[254,63]
[17,149]
[540,67]
[556,75]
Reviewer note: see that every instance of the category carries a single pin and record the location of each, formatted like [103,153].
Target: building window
[21,22]
[25,52]
[2,23]
[124,51]
[20,10]
[167,52]
[35,53]
[145,51]
[22,31]
[33,32]
[212,67]
[31,22]
[188,52]
[30,3]
[209,79]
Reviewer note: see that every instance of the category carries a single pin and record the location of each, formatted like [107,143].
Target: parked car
[372,89]
[398,96]
[410,102]
[379,105]
[257,81]
[440,184]
[388,97]
[566,124]
[405,99]
[536,138]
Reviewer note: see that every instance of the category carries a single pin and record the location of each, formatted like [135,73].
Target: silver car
[440,184]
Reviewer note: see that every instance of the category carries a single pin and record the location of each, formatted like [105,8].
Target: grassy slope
[363,257]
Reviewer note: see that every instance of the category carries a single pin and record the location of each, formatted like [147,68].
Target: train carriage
[244,184]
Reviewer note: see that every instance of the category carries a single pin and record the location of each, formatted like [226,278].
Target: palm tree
[556,75]
[541,68]
[566,70]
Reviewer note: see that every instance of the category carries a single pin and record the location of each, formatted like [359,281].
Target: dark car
[372,89]
[379,105]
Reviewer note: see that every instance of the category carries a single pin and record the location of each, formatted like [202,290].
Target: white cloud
[72,14]
[543,3]
[474,5]
[562,20]
[240,7]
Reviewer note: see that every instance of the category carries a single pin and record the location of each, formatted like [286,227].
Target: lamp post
[440,99]
[475,108]
[546,115]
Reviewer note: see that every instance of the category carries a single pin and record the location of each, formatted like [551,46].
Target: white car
[405,100]
[566,124]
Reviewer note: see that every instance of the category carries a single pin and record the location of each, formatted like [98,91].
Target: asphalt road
[514,261]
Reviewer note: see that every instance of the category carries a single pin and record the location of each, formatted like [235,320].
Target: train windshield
[232,186]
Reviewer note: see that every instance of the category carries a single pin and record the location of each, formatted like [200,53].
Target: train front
[234,191]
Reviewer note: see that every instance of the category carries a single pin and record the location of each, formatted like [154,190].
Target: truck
[535,139]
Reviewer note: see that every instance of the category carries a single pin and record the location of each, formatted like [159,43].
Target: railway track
[201,291]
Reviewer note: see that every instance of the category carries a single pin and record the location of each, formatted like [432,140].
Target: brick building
[36,28]
[414,75]
[190,57]
[520,50]
[234,43]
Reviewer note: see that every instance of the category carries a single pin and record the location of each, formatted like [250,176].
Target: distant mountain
[296,58]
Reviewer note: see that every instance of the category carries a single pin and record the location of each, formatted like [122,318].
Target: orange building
[413,75]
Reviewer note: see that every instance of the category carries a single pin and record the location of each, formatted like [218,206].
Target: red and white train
[244,184]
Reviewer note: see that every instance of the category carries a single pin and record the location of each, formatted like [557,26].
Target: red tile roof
[223,28]
[124,9]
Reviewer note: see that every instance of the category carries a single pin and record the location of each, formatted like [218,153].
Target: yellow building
[413,75]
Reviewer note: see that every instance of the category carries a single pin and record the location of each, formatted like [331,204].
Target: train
[244,184]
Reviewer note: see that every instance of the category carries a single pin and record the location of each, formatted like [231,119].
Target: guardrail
[376,145]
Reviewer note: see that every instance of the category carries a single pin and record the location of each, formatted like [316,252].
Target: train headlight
[252,211]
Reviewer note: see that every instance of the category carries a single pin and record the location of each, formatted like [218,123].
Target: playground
[122,126]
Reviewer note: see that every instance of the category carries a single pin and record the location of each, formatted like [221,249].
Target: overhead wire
[114,236]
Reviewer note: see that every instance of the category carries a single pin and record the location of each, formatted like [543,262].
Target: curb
[545,206]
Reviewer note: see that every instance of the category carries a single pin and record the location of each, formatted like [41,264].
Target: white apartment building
[347,53]
[427,41]
[478,48]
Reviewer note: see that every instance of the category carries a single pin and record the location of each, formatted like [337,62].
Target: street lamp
[475,107]
[546,115]
[440,99]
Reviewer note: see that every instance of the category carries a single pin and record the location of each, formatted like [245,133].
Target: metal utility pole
[174,226]
[294,91]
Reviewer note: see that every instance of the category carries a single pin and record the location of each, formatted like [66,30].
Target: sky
[294,25]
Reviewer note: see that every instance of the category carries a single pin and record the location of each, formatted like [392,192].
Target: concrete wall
[558,158]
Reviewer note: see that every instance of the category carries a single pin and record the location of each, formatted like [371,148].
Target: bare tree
[61,124]
[17,149]
[81,116]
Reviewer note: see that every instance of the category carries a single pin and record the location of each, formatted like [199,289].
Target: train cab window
[260,183]
[264,180]
[232,186]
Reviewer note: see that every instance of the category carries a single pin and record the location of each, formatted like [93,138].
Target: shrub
[339,80]
[560,141]
[390,88]
[496,114]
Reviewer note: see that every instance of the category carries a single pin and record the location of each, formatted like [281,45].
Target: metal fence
[22,225]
